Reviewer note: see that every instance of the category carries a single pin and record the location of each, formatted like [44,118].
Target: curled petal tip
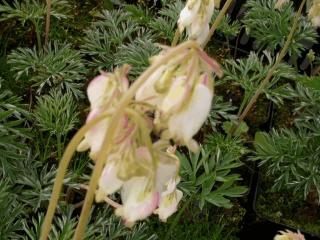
[215,66]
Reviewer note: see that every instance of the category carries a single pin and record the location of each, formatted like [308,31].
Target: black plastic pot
[255,226]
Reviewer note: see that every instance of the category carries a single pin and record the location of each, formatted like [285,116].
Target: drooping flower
[314,13]
[195,18]
[288,235]
[182,92]
[169,200]
[139,200]
[109,181]
[103,93]
[187,121]
[140,192]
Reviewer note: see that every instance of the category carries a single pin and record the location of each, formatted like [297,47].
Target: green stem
[37,30]
[274,67]
[175,38]
[59,146]
[107,142]
[177,218]
[217,22]
[46,39]
[63,165]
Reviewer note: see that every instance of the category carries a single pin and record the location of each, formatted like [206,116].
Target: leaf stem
[217,22]
[71,148]
[48,18]
[274,67]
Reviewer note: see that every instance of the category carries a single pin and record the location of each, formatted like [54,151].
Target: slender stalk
[175,38]
[97,171]
[37,30]
[217,21]
[61,173]
[274,67]
[48,18]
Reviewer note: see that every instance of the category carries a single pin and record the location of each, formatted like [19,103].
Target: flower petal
[168,205]
[174,98]
[147,92]
[186,123]
[138,201]
[188,14]
[109,182]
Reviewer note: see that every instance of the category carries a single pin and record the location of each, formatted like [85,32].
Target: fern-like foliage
[139,14]
[208,177]
[292,157]
[234,146]
[270,27]
[12,134]
[307,104]
[221,111]
[56,113]
[249,72]
[105,35]
[11,212]
[165,24]
[35,184]
[32,10]
[137,53]
[227,27]
[103,225]
[60,67]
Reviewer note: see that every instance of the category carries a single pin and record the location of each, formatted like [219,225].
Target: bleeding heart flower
[314,13]
[109,182]
[104,92]
[288,235]
[138,199]
[187,121]
[195,17]
[169,200]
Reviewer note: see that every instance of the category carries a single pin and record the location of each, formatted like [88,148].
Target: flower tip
[193,146]
[215,66]
[83,146]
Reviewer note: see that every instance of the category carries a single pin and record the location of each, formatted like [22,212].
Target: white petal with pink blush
[138,200]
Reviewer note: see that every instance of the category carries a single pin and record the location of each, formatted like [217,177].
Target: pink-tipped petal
[211,62]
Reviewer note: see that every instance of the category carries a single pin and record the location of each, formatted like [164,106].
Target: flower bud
[195,18]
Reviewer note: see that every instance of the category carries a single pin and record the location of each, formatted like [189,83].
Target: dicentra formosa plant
[128,132]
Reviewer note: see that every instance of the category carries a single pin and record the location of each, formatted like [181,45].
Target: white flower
[195,18]
[186,122]
[147,91]
[314,13]
[169,200]
[288,235]
[165,172]
[109,182]
[104,91]
[181,92]
[188,14]
[138,199]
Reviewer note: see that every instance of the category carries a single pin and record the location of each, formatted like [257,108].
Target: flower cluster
[314,13]
[195,18]
[171,104]
[288,235]
[181,92]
